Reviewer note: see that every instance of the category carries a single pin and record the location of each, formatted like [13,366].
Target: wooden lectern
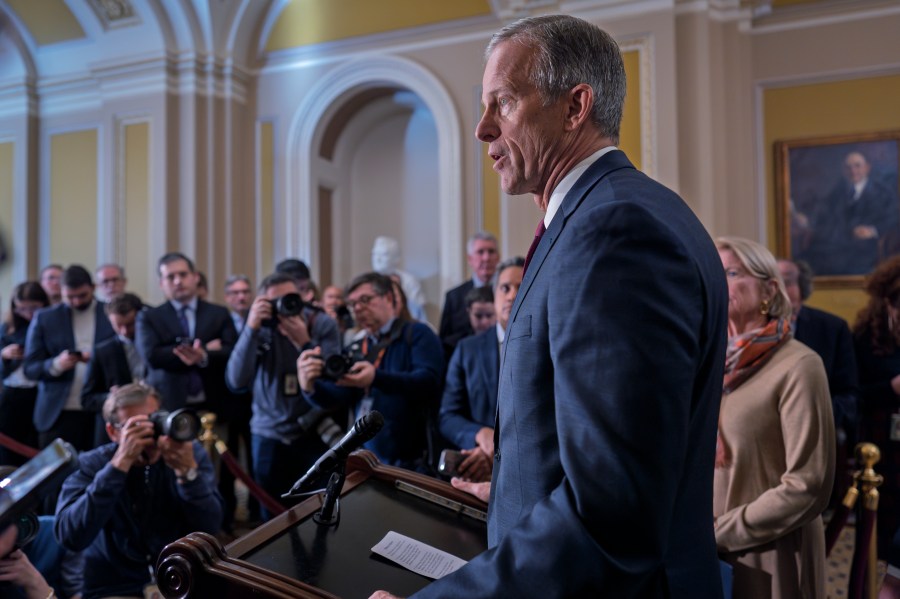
[294,556]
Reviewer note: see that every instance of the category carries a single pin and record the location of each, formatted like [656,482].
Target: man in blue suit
[611,374]
[186,341]
[59,344]
[469,404]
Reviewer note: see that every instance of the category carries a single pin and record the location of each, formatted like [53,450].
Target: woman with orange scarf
[775,450]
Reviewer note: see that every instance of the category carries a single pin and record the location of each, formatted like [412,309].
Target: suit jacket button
[497,456]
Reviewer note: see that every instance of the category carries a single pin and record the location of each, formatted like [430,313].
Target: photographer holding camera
[131,497]
[396,371]
[287,434]
[16,570]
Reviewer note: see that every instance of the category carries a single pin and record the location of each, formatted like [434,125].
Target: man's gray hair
[232,279]
[569,51]
[480,236]
[133,394]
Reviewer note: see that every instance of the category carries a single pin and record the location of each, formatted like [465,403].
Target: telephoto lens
[180,425]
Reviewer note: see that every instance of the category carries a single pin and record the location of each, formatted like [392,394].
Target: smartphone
[184,341]
[23,489]
[450,461]
[76,353]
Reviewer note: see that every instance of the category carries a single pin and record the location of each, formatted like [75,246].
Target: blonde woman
[775,452]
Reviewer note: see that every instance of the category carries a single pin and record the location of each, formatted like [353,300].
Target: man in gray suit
[611,374]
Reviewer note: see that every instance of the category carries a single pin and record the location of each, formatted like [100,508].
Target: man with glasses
[399,374]
[238,297]
[51,281]
[111,280]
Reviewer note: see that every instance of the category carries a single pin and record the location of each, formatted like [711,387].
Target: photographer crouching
[128,499]
[288,435]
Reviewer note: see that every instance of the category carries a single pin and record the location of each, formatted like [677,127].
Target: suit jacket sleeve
[153,344]
[96,387]
[845,382]
[423,378]
[623,340]
[38,359]
[455,422]
[225,332]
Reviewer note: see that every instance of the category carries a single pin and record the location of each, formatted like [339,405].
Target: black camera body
[337,365]
[180,425]
[289,304]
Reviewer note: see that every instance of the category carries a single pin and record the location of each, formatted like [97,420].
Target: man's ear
[579,106]
[113,433]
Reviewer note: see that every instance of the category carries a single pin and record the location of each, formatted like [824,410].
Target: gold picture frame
[837,202]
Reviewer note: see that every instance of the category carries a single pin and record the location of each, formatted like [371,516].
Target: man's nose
[486,130]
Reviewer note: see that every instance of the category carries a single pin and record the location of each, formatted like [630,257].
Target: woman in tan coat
[775,451]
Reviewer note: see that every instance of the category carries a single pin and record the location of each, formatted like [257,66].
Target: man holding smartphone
[59,344]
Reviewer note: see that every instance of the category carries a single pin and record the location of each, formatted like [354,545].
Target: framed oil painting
[837,204]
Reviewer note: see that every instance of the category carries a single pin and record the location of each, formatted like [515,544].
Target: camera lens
[335,366]
[289,305]
[180,425]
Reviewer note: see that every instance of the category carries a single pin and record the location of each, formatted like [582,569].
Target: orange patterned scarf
[745,355]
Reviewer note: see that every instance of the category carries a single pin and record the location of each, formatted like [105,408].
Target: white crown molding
[301,218]
[833,12]
[508,10]
[391,42]
[723,11]
[610,10]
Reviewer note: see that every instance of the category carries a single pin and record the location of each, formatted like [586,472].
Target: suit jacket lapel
[172,321]
[491,362]
[609,162]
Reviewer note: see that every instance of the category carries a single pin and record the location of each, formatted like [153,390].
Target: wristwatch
[189,476]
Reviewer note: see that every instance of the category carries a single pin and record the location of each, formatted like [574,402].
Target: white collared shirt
[568,182]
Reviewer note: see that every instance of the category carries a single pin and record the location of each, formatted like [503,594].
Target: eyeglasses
[110,281]
[362,300]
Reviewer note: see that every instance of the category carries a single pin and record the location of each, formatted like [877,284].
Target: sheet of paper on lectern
[417,556]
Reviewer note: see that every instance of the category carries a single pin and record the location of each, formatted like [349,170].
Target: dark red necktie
[538,233]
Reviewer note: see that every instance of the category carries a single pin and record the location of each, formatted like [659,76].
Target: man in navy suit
[469,405]
[186,341]
[611,374]
[482,255]
[59,344]
[115,362]
[829,336]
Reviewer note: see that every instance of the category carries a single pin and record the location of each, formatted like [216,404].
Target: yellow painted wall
[630,133]
[305,22]
[267,195]
[49,21]
[73,198]
[137,208]
[7,153]
[842,107]
[629,142]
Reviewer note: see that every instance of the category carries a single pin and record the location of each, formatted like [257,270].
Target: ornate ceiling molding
[114,14]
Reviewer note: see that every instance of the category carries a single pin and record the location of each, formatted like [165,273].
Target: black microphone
[364,429]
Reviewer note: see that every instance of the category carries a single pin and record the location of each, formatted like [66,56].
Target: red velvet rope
[835,526]
[861,555]
[19,448]
[264,498]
